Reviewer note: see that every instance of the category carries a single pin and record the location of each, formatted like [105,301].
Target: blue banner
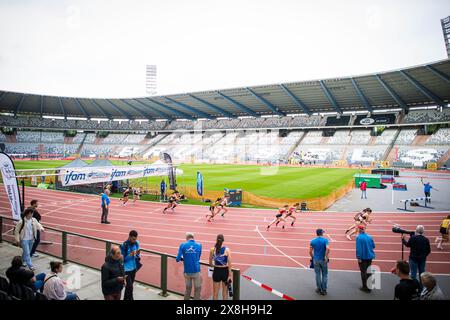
[199,183]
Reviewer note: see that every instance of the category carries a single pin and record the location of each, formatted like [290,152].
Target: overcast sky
[99,49]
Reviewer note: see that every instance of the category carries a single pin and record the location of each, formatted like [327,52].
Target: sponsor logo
[98,175]
[72,176]
[117,174]
[367,121]
[7,171]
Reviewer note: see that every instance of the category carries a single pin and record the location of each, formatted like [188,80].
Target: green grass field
[284,182]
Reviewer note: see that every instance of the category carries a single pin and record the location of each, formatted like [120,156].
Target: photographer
[420,249]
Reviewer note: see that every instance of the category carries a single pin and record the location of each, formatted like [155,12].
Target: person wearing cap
[319,251]
[419,250]
[365,255]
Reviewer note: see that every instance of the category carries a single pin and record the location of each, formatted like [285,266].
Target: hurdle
[406,201]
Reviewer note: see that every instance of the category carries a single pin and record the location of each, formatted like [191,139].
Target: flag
[199,183]
[172,175]
[10,183]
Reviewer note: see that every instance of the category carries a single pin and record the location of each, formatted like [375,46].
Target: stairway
[294,147]
[81,144]
[420,140]
[154,143]
[442,160]
[389,149]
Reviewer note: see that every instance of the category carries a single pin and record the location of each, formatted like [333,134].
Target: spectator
[105,205]
[363,188]
[420,249]
[37,216]
[220,259]
[113,275]
[431,290]
[18,274]
[25,235]
[190,252]
[407,289]
[54,285]
[319,251]
[131,259]
[365,255]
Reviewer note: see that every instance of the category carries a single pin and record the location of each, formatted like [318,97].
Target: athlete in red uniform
[279,216]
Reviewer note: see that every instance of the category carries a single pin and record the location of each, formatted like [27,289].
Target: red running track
[244,230]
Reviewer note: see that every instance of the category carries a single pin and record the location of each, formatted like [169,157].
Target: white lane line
[289,257]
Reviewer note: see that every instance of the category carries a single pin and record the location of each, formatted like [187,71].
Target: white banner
[76,176]
[10,183]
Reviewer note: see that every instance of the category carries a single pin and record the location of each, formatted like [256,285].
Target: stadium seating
[340,137]
[440,137]
[419,156]
[2,137]
[425,116]
[406,136]
[312,137]
[134,138]
[114,138]
[386,137]
[90,138]
[79,137]
[360,137]
[55,137]
[366,155]
[28,136]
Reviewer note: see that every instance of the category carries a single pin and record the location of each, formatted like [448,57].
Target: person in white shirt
[25,234]
[54,285]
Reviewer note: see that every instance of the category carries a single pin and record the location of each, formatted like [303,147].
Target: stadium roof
[415,86]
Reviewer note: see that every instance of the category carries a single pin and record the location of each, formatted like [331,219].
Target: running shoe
[283,226]
[222,214]
[292,224]
[349,238]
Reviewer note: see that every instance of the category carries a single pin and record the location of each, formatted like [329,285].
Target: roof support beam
[266,103]
[296,100]
[422,89]
[106,114]
[199,113]
[238,105]
[19,105]
[142,113]
[82,108]
[42,106]
[179,113]
[212,106]
[392,93]
[161,113]
[62,108]
[361,95]
[438,73]
[330,97]
[118,109]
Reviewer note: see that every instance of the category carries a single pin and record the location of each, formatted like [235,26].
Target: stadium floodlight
[141,120]
[7,114]
[297,115]
[246,117]
[76,118]
[201,119]
[53,117]
[222,118]
[121,120]
[387,110]
[161,120]
[99,119]
[181,119]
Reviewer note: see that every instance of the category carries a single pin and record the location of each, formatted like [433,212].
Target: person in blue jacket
[131,253]
[365,254]
[190,253]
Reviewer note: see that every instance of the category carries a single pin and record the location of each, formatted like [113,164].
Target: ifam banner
[10,184]
[77,176]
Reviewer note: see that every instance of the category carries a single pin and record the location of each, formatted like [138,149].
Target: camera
[230,289]
[397,229]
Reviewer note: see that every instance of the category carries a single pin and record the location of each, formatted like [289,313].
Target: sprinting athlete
[174,201]
[361,218]
[291,211]
[125,196]
[279,217]
[223,206]
[443,230]
[212,209]
[136,194]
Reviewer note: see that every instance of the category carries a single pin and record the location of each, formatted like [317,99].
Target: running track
[244,230]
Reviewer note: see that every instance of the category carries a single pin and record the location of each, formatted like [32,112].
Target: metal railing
[107,244]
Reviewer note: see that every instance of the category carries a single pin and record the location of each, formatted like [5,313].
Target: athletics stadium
[310,142]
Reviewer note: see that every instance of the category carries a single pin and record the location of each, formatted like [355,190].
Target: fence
[160,270]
